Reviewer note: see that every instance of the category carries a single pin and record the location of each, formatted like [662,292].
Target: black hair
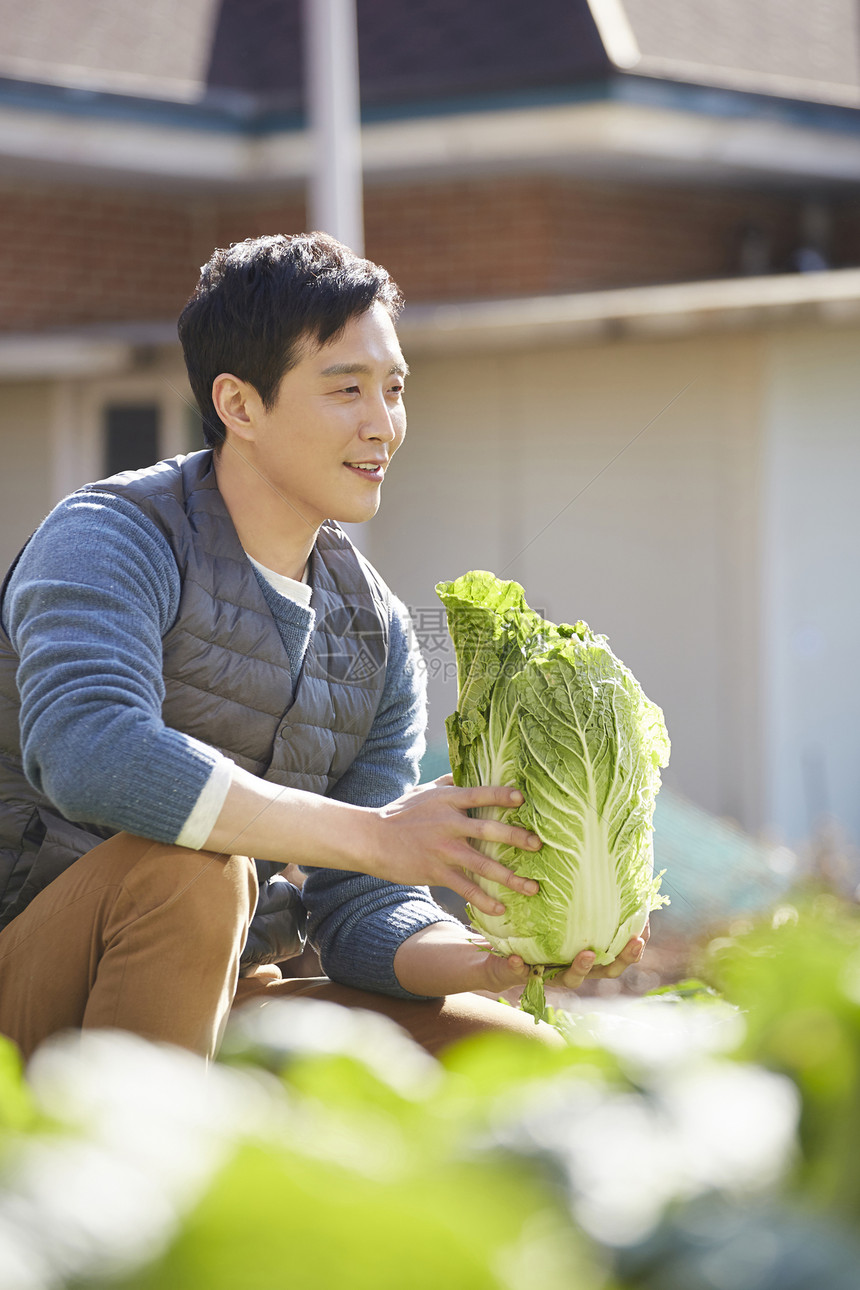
[257,302]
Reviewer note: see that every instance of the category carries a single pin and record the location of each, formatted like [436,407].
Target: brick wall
[521,236]
[72,255]
[610,235]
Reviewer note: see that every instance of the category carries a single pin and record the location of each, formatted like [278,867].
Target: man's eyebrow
[362,369]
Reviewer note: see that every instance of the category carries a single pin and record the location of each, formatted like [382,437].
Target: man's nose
[382,421]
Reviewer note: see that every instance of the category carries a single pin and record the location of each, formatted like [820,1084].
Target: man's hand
[447,959]
[583,967]
[423,838]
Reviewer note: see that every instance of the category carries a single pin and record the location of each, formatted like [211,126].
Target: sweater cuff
[207,808]
[363,954]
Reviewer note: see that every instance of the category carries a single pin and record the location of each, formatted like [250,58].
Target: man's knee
[205,897]
[221,898]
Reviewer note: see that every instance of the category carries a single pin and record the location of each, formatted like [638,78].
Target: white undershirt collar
[300,592]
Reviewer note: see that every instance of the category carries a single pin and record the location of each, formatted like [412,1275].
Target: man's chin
[355,514]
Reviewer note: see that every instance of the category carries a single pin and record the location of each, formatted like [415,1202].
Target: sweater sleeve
[358,922]
[86,608]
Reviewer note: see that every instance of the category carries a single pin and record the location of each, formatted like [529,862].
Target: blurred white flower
[655,1035]
[697,1122]
[142,1128]
[296,1027]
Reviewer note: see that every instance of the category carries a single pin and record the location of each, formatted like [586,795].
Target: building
[628,234]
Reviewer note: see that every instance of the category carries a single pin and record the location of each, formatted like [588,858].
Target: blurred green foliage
[17,1109]
[796,976]
[707,1138]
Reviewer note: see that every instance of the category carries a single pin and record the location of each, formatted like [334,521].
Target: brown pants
[146,937]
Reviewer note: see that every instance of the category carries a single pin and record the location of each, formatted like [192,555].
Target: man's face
[337,422]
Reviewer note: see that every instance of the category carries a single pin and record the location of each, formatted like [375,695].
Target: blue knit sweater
[86,609]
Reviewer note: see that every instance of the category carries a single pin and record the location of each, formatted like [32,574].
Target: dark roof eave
[224,111]
[642,90]
[237,113]
[234,112]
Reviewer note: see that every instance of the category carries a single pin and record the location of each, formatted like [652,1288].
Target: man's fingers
[484,830]
[493,871]
[573,978]
[633,951]
[515,966]
[465,886]
[585,966]
[510,835]
[482,795]
[463,881]
[502,973]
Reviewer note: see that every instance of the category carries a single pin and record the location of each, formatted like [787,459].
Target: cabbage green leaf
[550,709]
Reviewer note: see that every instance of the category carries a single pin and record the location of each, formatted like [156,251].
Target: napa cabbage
[550,709]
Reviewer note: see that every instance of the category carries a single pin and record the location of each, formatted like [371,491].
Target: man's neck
[267,526]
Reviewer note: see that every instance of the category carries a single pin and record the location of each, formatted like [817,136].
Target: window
[131,436]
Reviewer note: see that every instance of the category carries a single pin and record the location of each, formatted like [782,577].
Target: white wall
[538,466]
[811,640]
[25,419]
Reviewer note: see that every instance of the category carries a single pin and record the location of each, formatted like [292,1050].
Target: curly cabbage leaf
[551,710]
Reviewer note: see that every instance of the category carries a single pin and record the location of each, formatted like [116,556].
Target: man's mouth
[372,470]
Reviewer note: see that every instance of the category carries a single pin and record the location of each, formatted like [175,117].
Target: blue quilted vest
[226,672]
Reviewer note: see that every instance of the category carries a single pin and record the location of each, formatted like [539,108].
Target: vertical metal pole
[333,109]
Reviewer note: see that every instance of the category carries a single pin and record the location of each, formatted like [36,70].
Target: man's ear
[238,405]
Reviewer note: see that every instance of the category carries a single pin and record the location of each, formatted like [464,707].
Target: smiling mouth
[373,470]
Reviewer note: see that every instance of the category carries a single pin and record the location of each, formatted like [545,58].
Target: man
[196,666]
